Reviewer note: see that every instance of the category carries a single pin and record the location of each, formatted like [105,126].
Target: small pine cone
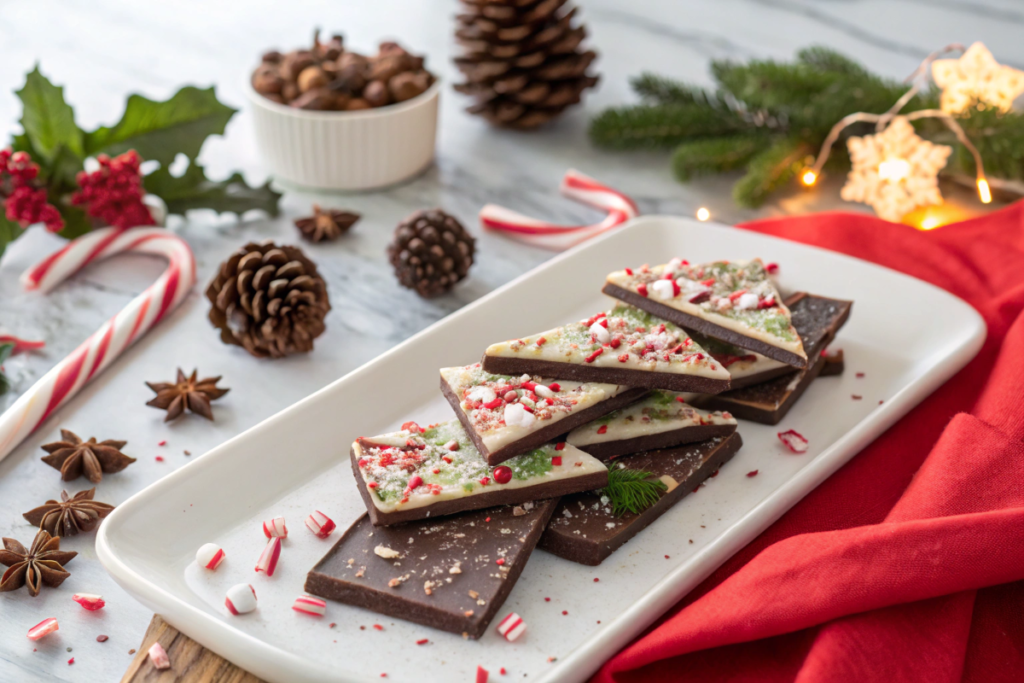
[431,251]
[270,300]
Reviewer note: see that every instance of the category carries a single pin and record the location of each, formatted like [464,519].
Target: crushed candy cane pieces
[320,524]
[209,556]
[310,605]
[794,441]
[240,599]
[512,626]
[269,557]
[752,473]
[275,528]
[158,655]
[43,628]
[89,601]
[482,675]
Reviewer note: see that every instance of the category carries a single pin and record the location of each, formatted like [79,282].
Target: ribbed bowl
[346,150]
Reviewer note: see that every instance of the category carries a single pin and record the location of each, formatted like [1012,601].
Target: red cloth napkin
[908,563]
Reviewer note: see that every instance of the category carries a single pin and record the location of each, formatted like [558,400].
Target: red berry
[502,474]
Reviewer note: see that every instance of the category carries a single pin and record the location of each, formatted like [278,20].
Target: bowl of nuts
[333,119]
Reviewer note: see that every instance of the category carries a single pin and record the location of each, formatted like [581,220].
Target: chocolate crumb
[131,651]
[69,649]
[188,452]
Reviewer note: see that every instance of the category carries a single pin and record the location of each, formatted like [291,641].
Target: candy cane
[97,352]
[20,345]
[576,186]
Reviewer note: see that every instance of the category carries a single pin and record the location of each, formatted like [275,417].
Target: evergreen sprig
[771,117]
[632,491]
[5,353]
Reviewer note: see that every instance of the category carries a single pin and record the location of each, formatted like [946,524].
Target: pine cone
[522,60]
[431,251]
[270,300]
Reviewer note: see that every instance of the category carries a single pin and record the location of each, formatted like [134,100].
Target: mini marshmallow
[269,557]
[517,415]
[275,527]
[89,601]
[481,393]
[209,556]
[310,605]
[674,265]
[512,626]
[240,599]
[747,301]
[663,289]
[601,333]
[159,657]
[320,524]
[544,391]
[43,628]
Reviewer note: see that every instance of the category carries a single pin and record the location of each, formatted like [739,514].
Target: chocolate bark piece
[584,529]
[419,472]
[744,366]
[834,364]
[734,301]
[503,425]
[818,318]
[660,420]
[622,346]
[451,574]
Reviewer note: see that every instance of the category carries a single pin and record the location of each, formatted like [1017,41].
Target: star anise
[70,515]
[74,457]
[42,563]
[326,225]
[187,392]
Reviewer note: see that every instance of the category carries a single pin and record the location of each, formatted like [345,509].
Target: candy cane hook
[576,186]
[97,352]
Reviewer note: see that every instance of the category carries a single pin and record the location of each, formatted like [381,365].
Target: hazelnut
[266,80]
[341,101]
[351,77]
[310,78]
[314,100]
[376,93]
[295,63]
[272,57]
[350,58]
[289,91]
[357,103]
[386,67]
[331,49]
[390,47]
[407,85]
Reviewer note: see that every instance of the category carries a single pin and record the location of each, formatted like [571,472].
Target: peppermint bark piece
[451,574]
[660,420]
[622,346]
[745,367]
[429,472]
[734,301]
[585,527]
[507,416]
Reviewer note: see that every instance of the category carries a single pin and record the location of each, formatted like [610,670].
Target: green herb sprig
[5,352]
[632,490]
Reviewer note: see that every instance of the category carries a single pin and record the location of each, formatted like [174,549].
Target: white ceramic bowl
[346,150]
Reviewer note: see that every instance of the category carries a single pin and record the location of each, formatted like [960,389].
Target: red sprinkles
[752,473]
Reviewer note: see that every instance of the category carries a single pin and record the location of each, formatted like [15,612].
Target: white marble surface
[103,50]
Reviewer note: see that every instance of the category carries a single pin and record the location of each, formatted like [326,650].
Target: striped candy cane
[576,186]
[97,352]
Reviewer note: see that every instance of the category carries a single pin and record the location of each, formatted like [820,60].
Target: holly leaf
[9,231]
[48,120]
[5,353]
[162,130]
[193,190]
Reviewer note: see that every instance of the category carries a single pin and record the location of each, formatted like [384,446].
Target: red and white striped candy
[275,527]
[20,345]
[89,601]
[97,352]
[158,655]
[310,605]
[209,556]
[512,626]
[320,524]
[43,628]
[269,557]
[794,441]
[240,599]
[539,233]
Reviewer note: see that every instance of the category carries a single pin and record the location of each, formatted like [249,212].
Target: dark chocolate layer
[497,495]
[834,364]
[607,450]
[544,434]
[579,530]
[703,326]
[447,573]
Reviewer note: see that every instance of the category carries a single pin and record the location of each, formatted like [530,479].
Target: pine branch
[632,491]
[715,155]
[661,126]
[824,59]
[769,85]
[660,90]
[770,170]
[5,352]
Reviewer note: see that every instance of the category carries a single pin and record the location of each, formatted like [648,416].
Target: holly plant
[42,176]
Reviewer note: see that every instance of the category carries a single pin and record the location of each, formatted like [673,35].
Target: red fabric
[908,563]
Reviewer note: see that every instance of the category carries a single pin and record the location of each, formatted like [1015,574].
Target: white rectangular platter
[297,461]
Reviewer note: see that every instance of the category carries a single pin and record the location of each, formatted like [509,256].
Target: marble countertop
[105,50]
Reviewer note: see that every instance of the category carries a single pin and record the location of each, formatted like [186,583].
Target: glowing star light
[894,171]
[976,77]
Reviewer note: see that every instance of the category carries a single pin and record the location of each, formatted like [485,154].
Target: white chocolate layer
[658,413]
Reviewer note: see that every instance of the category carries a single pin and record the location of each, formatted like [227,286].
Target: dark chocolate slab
[834,364]
[419,585]
[579,530]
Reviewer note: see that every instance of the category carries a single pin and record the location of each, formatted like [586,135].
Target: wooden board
[190,661]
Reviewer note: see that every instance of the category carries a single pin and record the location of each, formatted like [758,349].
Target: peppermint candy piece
[240,599]
[320,524]
[269,557]
[43,628]
[209,556]
[158,655]
[512,626]
[516,414]
[275,528]
[794,441]
[310,605]
[89,601]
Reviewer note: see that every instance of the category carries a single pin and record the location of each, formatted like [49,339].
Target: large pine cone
[522,60]
[270,300]
[431,251]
